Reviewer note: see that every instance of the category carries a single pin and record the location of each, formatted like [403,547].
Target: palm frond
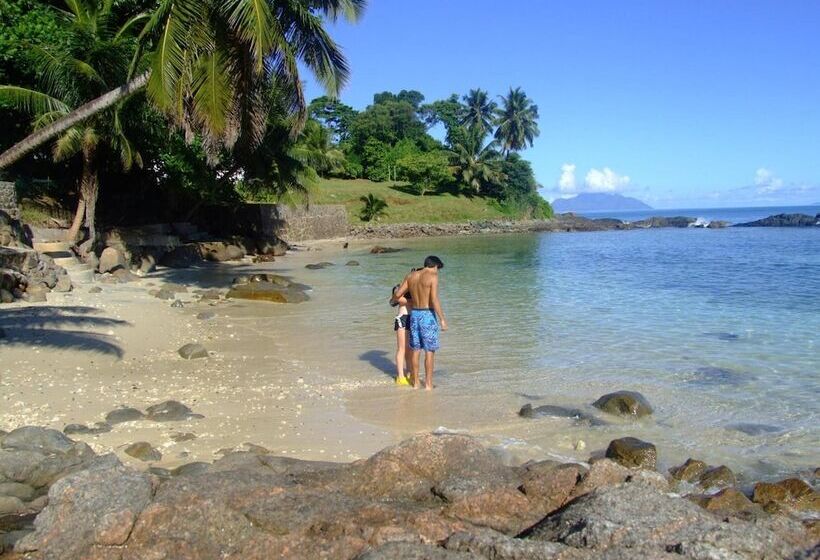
[68,144]
[32,102]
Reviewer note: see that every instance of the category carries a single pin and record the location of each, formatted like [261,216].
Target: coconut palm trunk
[89,191]
[43,135]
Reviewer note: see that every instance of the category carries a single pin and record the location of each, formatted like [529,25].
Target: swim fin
[403,381]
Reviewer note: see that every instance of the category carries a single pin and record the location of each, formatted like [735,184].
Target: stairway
[60,251]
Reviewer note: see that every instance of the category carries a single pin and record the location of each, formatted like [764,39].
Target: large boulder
[785,220]
[650,523]
[110,259]
[220,251]
[170,411]
[182,256]
[96,507]
[268,287]
[624,403]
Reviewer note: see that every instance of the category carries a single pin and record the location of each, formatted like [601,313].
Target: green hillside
[403,206]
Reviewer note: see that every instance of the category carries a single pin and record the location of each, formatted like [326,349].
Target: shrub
[373,208]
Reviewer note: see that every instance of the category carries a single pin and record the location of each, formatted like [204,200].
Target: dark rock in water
[636,521]
[717,224]
[268,291]
[624,403]
[663,222]
[182,256]
[170,411]
[143,451]
[785,220]
[528,411]
[718,477]
[633,453]
[319,266]
[352,263]
[193,351]
[123,414]
[97,428]
[184,436]
[789,494]
[723,335]
[205,315]
[755,429]
[379,250]
[89,511]
[690,471]
[710,375]
[272,247]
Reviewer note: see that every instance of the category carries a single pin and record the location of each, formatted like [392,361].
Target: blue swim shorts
[423,330]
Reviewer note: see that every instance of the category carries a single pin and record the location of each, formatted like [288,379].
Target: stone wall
[8,200]
[266,221]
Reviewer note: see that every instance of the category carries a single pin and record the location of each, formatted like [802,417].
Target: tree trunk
[74,231]
[89,189]
[40,137]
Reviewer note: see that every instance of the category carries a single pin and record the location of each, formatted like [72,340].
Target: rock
[6,296]
[210,295]
[220,251]
[624,403]
[41,440]
[379,250]
[96,507]
[717,477]
[710,376]
[170,411]
[690,471]
[717,224]
[268,291]
[602,473]
[633,453]
[791,493]
[10,504]
[318,266]
[412,551]
[124,275]
[143,451]
[784,220]
[273,247]
[63,284]
[123,414]
[352,263]
[191,469]
[205,315]
[665,222]
[18,490]
[184,436]
[98,428]
[727,501]
[528,411]
[497,546]
[110,260]
[639,521]
[94,290]
[177,303]
[751,429]
[193,351]
[550,484]
[182,256]
[36,293]
[148,264]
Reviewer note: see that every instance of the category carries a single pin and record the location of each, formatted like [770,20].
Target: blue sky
[692,103]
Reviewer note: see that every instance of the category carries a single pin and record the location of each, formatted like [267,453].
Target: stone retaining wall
[276,221]
[8,200]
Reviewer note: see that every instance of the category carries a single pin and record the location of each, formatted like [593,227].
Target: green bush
[373,207]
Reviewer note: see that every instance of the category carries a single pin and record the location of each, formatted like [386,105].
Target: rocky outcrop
[433,496]
[268,287]
[28,275]
[785,220]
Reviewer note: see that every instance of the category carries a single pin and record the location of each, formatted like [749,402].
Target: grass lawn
[403,206]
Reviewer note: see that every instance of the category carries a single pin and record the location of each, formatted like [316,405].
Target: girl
[400,326]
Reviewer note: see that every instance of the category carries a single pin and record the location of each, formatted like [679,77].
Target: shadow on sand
[58,327]
[380,360]
[212,275]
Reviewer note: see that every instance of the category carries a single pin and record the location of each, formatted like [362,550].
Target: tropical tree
[516,121]
[315,148]
[208,64]
[480,111]
[476,162]
[93,57]
[426,171]
[373,208]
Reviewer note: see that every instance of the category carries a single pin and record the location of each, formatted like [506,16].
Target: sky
[681,103]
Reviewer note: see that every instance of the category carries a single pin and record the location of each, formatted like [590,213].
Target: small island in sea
[599,202]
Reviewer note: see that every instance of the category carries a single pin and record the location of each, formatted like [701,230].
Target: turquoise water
[715,327]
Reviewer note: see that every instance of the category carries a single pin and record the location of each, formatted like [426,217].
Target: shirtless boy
[425,318]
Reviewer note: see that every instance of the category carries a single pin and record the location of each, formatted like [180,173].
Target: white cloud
[767,182]
[605,180]
[566,183]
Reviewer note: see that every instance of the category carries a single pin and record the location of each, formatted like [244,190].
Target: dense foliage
[219,122]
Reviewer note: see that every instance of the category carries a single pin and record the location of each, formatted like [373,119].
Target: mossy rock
[633,453]
[624,403]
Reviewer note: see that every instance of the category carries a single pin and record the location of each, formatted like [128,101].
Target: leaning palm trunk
[40,137]
[89,190]
[74,230]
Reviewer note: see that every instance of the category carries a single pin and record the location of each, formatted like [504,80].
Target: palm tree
[94,58]
[480,111]
[373,208]
[516,121]
[210,62]
[475,162]
[315,148]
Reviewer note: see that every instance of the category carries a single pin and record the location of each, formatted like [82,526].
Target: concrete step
[52,247]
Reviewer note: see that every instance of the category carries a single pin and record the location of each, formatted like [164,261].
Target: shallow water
[718,328]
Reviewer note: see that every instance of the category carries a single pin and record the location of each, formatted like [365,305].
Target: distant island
[598,202]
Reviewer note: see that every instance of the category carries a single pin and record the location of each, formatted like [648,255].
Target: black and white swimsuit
[401,321]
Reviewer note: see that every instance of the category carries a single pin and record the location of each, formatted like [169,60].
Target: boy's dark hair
[433,262]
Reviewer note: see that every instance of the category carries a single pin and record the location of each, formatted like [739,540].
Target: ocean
[731,215]
[719,329]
